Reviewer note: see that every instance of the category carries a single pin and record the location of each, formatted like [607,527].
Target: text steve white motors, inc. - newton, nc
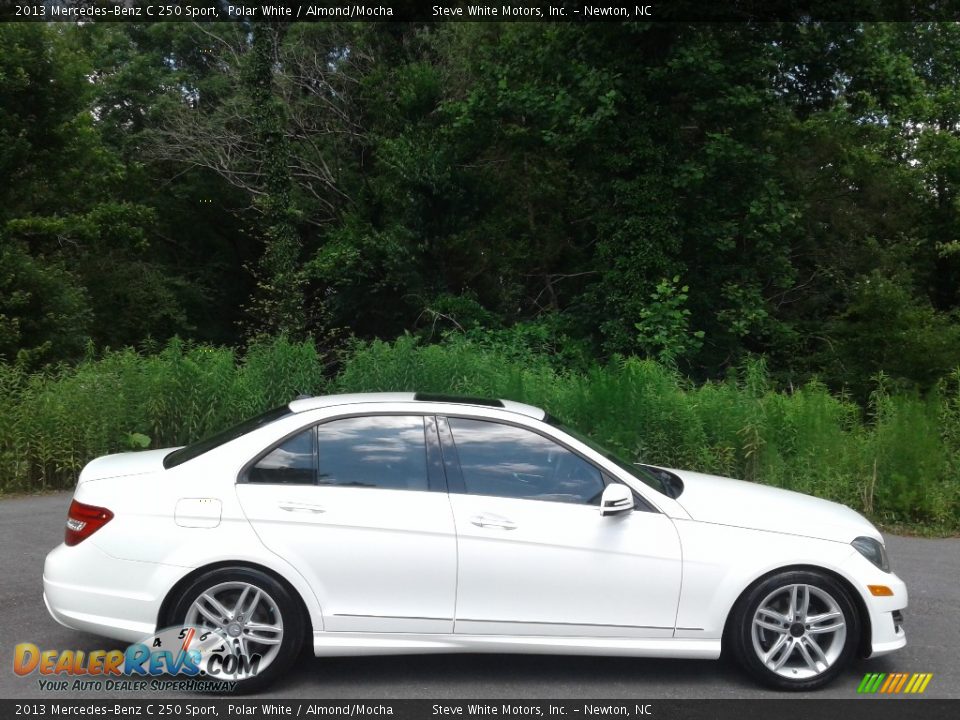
[513,11]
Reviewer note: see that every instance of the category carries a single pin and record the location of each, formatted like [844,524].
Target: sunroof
[434,397]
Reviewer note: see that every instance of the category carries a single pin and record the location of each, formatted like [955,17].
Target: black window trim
[183,455]
[457,485]
[433,481]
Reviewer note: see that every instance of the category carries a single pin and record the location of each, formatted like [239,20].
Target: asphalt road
[31,526]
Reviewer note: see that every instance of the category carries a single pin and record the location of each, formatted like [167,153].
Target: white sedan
[395,523]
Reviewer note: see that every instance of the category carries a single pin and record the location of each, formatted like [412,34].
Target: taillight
[83,521]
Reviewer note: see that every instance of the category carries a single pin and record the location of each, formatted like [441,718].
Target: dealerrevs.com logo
[199,658]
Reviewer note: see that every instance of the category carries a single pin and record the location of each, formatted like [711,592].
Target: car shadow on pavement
[538,676]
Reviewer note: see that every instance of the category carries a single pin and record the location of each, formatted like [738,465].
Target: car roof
[325,401]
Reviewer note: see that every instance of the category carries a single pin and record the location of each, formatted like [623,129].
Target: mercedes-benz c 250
[396,523]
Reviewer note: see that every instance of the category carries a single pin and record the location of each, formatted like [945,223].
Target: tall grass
[54,422]
[897,460]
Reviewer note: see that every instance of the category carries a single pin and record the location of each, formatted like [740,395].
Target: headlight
[874,551]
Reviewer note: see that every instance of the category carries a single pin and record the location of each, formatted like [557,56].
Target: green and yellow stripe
[894,683]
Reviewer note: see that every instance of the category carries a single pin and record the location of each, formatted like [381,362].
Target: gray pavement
[31,526]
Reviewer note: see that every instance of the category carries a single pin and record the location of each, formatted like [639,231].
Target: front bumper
[886,617]
[887,633]
[86,589]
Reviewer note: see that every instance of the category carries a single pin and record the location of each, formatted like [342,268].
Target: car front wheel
[796,630]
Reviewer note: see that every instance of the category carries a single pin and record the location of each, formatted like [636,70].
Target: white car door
[357,507]
[535,555]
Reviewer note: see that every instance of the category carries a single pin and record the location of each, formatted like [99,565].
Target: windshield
[637,471]
[177,457]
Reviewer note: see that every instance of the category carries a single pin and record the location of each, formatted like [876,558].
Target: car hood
[708,498]
[122,464]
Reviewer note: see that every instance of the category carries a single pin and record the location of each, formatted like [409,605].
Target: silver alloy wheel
[247,616]
[799,631]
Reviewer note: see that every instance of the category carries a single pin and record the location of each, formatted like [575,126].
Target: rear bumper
[86,589]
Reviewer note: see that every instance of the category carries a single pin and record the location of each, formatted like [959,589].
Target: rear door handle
[493,521]
[300,507]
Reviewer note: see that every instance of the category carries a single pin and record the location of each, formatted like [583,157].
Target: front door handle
[493,521]
[300,507]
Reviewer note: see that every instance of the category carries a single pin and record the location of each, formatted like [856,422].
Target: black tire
[289,610]
[797,672]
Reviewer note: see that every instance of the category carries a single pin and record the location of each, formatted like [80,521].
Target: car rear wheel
[796,630]
[260,621]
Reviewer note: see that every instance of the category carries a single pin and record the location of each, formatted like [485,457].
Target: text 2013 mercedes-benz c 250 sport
[396,523]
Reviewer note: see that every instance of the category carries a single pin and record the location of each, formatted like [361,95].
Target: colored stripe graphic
[187,640]
[890,680]
[894,683]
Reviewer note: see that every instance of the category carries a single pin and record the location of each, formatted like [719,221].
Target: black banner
[463,11]
[782,709]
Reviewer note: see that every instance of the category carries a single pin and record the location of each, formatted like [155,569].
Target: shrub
[898,462]
[54,421]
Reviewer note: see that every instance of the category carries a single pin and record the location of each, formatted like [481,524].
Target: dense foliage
[899,463]
[553,197]
[692,193]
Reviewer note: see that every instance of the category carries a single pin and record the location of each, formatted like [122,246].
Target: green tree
[278,307]
[72,202]
[664,328]
[44,310]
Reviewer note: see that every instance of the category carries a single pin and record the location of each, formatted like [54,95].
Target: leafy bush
[55,421]
[898,462]
[663,331]
[42,306]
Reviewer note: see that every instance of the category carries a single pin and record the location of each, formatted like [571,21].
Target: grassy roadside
[898,461]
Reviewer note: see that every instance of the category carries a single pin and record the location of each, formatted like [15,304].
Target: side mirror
[617,499]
